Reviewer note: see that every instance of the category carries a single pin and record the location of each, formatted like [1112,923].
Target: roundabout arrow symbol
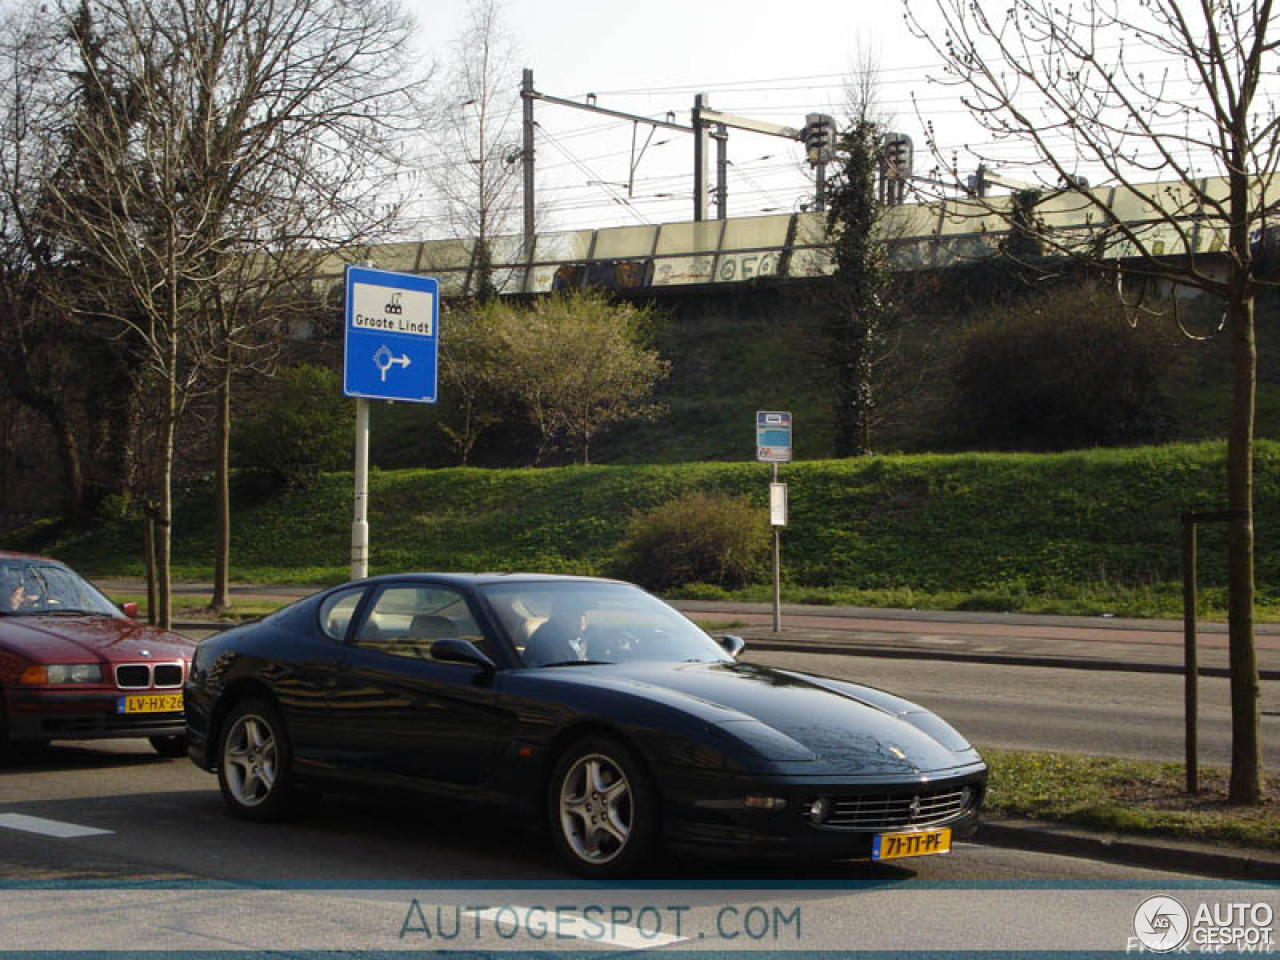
[383,359]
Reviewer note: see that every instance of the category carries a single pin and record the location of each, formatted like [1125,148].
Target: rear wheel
[253,762]
[602,809]
[175,746]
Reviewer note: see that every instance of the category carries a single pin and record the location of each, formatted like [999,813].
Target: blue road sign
[392,326]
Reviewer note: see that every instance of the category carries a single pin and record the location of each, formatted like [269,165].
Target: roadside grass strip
[1128,796]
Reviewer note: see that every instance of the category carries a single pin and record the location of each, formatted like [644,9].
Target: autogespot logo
[1161,924]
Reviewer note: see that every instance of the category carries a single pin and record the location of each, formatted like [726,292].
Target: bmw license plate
[150,703]
[891,846]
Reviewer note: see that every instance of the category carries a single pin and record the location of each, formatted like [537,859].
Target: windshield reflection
[554,623]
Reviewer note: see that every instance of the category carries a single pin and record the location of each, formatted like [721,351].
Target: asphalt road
[154,861]
[1112,713]
[171,870]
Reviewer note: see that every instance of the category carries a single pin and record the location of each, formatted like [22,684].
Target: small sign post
[389,353]
[773,446]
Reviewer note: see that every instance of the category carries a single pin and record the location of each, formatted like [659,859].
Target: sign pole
[777,567]
[360,523]
[773,446]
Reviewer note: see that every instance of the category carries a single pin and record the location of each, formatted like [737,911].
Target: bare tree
[201,132]
[1168,101]
[305,104]
[476,171]
[69,373]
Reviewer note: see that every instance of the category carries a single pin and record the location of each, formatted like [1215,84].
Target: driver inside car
[563,637]
[13,596]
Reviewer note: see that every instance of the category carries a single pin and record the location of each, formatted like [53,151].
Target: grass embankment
[1090,532]
[1127,796]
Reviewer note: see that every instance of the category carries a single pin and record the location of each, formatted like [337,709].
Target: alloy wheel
[596,810]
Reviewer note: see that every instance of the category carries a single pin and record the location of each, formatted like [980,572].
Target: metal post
[527,95]
[722,171]
[777,568]
[820,186]
[699,158]
[360,525]
[1192,667]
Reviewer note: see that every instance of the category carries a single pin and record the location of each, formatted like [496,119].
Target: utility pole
[700,105]
[722,171]
[527,94]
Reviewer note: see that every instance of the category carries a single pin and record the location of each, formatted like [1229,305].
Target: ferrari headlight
[59,673]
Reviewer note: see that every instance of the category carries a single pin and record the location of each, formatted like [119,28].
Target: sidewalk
[1149,646]
[1097,643]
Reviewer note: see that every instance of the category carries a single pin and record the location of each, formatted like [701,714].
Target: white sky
[762,59]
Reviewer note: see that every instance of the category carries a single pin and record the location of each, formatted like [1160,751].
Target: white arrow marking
[383,360]
[48,828]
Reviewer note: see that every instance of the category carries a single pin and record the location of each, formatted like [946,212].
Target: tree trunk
[69,454]
[149,555]
[1246,749]
[164,517]
[222,536]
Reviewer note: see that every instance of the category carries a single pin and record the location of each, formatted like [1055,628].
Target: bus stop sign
[773,436]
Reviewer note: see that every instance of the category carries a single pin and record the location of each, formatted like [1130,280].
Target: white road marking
[620,935]
[48,828]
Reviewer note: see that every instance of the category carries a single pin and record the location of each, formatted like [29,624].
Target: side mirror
[732,645]
[129,609]
[455,650]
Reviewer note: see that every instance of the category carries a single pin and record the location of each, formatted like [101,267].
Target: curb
[1012,659]
[1039,837]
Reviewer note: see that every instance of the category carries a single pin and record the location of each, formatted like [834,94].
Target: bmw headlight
[59,673]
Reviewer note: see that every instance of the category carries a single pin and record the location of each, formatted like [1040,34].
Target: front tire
[602,809]
[253,762]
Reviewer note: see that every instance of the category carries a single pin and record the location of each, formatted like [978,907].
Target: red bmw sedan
[73,666]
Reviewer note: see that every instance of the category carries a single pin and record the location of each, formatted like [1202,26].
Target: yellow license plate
[151,703]
[891,846]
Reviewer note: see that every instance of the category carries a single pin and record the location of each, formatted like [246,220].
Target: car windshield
[31,588]
[562,623]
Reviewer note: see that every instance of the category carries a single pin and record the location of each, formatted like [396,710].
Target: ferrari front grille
[895,811]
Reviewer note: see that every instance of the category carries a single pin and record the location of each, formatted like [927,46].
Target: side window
[406,620]
[336,612]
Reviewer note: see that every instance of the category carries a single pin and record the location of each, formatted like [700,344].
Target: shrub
[698,538]
[1064,371]
[308,428]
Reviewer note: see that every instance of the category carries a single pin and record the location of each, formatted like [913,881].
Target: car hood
[65,638]
[787,717]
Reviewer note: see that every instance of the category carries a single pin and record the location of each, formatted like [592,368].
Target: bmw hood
[71,639]
[829,726]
